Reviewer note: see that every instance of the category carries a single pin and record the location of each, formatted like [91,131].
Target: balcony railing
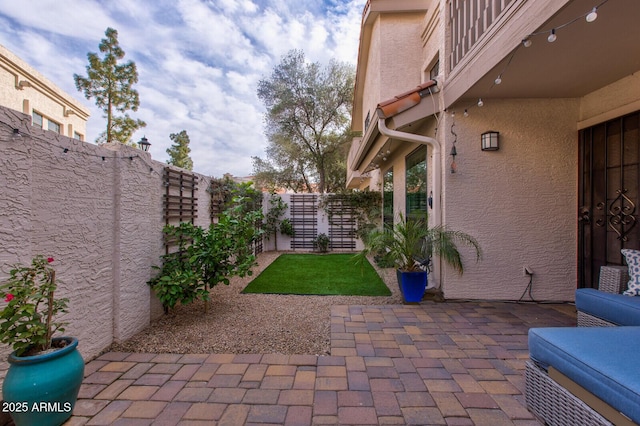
[468,20]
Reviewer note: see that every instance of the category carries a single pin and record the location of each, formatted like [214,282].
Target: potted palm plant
[45,372]
[411,244]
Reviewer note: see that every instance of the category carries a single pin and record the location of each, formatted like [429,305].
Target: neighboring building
[24,89]
[561,193]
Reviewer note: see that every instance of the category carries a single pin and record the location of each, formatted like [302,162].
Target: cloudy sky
[199,61]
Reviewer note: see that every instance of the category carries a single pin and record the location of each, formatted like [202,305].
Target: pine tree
[179,151]
[110,83]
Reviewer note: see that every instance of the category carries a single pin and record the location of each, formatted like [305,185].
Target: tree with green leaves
[274,223]
[209,256]
[111,84]
[307,124]
[179,151]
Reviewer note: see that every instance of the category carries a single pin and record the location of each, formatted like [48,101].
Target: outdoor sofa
[588,375]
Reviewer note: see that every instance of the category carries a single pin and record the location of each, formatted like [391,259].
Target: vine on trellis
[366,205]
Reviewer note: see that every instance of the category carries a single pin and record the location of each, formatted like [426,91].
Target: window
[78,136]
[435,70]
[416,183]
[53,126]
[37,120]
[387,198]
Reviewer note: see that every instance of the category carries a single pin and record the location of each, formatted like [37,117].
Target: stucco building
[24,89]
[556,188]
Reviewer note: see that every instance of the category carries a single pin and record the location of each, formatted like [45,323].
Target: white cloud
[76,18]
[345,32]
[199,61]
[232,6]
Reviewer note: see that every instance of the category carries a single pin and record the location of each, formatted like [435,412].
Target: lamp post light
[16,135]
[144,144]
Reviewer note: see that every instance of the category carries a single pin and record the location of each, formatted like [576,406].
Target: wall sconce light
[490,141]
[144,144]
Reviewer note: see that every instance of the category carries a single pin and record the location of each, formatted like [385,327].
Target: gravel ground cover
[251,323]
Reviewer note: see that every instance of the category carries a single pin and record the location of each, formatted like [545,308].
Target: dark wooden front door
[608,195]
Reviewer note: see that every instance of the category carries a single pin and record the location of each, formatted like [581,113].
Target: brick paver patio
[429,364]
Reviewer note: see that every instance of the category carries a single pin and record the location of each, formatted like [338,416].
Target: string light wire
[589,16]
[102,157]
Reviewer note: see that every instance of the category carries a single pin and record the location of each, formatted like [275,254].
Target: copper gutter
[402,103]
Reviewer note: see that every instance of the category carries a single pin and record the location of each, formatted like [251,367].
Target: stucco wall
[393,65]
[371,90]
[519,202]
[614,100]
[97,210]
[98,218]
[432,34]
[284,241]
[400,61]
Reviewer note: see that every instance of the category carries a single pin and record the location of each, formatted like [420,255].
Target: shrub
[321,243]
[214,255]
[26,322]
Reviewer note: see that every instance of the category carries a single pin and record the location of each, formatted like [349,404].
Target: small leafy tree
[111,84]
[251,198]
[215,254]
[176,281]
[179,151]
[272,223]
[226,248]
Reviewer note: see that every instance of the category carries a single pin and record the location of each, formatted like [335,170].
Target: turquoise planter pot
[42,389]
[412,285]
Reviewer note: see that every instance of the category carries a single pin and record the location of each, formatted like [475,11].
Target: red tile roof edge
[403,101]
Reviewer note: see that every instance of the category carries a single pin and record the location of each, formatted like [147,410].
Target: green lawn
[318,274]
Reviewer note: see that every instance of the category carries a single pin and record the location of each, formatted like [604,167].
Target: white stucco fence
[97,210]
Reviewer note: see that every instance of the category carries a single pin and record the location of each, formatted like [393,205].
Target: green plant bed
[313,274]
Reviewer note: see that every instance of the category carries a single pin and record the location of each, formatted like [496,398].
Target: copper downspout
[437,163]
[437,177]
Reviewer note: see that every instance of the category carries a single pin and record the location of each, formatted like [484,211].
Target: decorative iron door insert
[608,195]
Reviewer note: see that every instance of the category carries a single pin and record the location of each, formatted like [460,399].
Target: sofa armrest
[613,279]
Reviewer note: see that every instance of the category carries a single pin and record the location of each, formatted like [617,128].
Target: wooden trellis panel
[342,223]
[180,202]
[258,244]
[217,192]
[304,218]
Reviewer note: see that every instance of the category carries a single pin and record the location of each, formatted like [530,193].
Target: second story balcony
[487,40]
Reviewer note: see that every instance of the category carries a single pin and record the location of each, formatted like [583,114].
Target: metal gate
[608,195]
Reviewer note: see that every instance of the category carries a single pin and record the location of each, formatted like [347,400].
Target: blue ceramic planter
[412,285]
[42,389]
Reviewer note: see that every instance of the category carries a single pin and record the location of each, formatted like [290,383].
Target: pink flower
[9,297]
[49,259]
